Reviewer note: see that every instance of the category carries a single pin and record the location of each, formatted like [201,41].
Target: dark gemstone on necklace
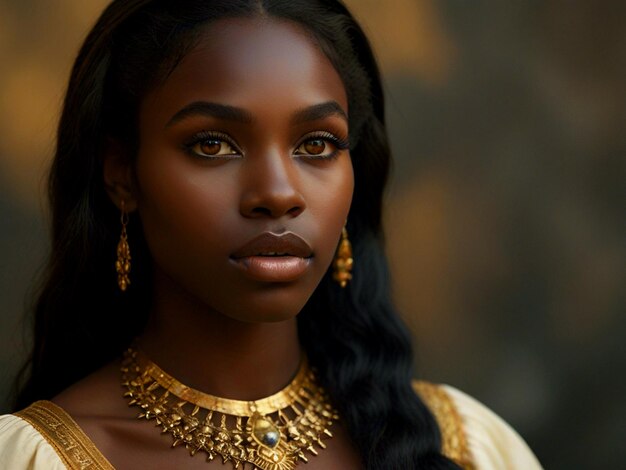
[270,438]
[266,432]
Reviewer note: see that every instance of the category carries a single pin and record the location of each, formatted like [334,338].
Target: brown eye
[315,146]
[213,147]
[210,147]
[320,146]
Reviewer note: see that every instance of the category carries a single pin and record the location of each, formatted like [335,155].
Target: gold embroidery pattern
[454,442]
[71,444]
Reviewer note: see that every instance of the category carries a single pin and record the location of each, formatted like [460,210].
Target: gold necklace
[270,434]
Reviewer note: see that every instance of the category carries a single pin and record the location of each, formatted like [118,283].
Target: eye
[321,146]
[211,145]
[312,147]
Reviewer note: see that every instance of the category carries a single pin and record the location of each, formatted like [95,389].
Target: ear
[118,176]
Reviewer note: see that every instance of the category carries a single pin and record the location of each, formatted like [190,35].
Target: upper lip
[268,244]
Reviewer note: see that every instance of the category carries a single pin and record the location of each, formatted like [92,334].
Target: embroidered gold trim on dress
[74,448]
[454,441]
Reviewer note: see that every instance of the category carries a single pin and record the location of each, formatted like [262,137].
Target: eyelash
[339,143]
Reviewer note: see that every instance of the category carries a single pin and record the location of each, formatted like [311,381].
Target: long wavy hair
[353,336]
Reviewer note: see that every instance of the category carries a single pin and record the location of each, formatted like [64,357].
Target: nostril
[262,211]
[295,211]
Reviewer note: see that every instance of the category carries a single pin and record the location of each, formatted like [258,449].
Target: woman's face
[246,138]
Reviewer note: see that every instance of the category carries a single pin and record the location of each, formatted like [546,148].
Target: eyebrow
[320,111]
[232,113]
[216,110]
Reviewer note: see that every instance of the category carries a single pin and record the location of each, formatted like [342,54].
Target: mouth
[274,258]
[271,245]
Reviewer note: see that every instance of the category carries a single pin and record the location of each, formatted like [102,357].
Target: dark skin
[276,165]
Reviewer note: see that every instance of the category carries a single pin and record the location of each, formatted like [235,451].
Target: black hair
[353,336]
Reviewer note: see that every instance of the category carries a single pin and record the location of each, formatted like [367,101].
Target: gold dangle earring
[343,260]
[122,265]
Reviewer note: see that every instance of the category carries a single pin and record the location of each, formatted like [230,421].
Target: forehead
[260,64]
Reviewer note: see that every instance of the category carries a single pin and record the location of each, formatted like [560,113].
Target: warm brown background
[505,221]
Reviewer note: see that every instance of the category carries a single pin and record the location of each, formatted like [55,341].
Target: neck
[216,354]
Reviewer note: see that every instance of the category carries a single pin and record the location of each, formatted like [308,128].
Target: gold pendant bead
[268,434]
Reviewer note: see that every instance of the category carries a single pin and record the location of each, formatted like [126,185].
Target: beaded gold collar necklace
[269,434]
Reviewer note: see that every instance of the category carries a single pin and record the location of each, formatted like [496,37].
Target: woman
[217,258]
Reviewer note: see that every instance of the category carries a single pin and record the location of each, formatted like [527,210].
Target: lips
[274,258]
[269,244]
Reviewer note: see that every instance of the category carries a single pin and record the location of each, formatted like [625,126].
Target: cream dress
[44,437]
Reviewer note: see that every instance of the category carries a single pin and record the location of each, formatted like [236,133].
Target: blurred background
[505,218]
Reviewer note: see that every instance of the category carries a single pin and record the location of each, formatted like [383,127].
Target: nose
[271,188]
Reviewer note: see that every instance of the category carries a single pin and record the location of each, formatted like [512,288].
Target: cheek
[338,190]
[182,210]
[329,203]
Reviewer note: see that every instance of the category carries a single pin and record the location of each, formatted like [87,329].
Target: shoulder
[472,434]
[23,447]
[44,436]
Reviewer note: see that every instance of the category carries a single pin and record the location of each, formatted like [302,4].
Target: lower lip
[273,268]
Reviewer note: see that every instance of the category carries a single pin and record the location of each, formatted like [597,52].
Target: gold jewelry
[343,260]
[270,434]
[122,264]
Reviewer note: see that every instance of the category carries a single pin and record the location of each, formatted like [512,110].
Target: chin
[272,305]
[264,316]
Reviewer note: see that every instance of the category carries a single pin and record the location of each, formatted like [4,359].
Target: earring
[122,264]
[343,260]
